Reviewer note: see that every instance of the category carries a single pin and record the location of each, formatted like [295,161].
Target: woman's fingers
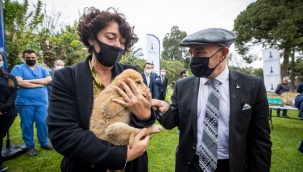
[134,87]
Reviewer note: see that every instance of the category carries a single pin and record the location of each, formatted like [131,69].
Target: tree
[132,55]
[171,48]
[270,23]
[67,46]
[173,69]
[258,72]
[21,29]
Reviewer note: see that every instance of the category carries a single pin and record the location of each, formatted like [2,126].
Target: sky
[157,17]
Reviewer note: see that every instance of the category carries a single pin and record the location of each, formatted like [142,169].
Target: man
[155,77]
[32,100]
[300,90]
[235,134]
[161,83]
[149,79]
[281,88]
[58,64]
[183,73]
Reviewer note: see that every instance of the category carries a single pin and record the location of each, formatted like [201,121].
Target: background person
[161,83]
[282,88]
[299,105]
[236,112]
[155,77]
[107,35]
[8,111]
[300,90]
[32,101]
[58,64]
[149,80]
[183,73]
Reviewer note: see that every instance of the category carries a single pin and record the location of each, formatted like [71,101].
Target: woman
[107,36]
[8,111]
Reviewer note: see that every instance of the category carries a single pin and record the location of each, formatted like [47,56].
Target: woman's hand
[134,100]
[139,146]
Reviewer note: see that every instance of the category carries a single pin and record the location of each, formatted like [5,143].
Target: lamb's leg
[120,133]
[154,129]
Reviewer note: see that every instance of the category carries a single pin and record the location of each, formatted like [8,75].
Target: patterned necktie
[208,152]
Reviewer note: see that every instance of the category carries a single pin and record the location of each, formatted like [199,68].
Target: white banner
[153,51]
[271,68]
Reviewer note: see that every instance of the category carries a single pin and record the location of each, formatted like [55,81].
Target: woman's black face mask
[108,55]
[199,66]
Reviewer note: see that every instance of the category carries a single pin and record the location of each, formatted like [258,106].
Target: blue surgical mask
[1,64]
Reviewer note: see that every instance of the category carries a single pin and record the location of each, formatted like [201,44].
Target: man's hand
[139,146]
[160,105]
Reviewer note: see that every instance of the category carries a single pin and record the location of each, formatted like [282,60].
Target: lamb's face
[140,85]
[136,77]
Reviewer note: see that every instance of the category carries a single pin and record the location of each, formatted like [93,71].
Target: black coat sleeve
[9,101]
[68,136]
[12,96]
[259,133]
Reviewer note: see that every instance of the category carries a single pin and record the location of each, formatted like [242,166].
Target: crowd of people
[222,121]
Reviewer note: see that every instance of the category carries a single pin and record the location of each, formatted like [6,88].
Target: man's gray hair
[285,77]
[55,62]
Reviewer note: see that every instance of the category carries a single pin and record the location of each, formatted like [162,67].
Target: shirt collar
[222,77]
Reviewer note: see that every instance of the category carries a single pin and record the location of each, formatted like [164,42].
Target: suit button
[188,163]
[194,148]
[92,166]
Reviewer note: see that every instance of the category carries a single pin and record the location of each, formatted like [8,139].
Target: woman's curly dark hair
[94,20]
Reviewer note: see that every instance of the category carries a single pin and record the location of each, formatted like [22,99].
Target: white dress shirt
[147,79]
[224,116]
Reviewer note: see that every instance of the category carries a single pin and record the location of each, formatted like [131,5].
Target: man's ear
[225,51]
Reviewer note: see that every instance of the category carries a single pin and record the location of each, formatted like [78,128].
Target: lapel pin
[238,86]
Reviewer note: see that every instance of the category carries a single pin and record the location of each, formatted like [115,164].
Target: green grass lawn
[286,137]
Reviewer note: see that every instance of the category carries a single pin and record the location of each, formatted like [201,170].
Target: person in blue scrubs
[32,101]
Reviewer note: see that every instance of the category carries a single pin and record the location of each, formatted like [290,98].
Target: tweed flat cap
[216,36]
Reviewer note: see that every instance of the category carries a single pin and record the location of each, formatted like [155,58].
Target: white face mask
[289,81]
[1,64]
[163,73]
[147,71]
[59,67]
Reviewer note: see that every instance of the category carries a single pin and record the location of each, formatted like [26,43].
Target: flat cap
[216,36]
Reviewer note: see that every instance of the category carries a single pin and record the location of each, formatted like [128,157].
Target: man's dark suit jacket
[249,132]
[68,118]
[151,86]
[162,87]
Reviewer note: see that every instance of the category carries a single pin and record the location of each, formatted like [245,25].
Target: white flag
[153,51]
[271,68]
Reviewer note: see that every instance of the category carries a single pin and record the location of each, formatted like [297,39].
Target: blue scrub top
[31,96]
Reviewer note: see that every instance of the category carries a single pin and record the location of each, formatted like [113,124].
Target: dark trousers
[161,96]
[5,124]
[222,165]
[284,112]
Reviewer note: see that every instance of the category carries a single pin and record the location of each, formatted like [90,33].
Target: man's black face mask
[199,66]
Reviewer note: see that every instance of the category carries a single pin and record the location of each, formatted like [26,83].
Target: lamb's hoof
[157,128]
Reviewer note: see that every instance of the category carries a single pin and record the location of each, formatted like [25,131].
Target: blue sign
[271,71]
[270,56]
[2,36]
[272,87]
